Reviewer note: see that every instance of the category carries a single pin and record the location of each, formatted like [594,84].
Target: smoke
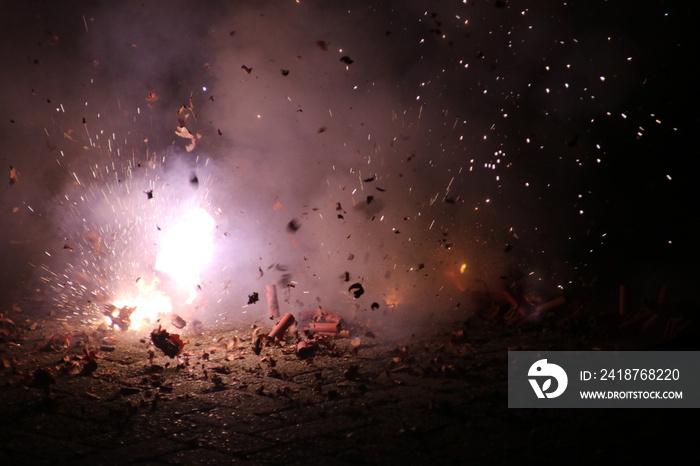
[424,151]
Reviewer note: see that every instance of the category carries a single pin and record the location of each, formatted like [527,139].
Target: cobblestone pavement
[440,396]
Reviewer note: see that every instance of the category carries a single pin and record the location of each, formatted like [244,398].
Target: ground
[100,396]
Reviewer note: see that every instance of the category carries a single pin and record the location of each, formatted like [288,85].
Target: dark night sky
[544,140]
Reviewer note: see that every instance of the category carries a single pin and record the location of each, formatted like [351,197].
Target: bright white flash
[187,248]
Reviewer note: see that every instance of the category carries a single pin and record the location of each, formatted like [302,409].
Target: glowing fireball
[187,248]
[147,303]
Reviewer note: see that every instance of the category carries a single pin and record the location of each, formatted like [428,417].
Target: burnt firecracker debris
[356,289]
[328,328]
[169,343]
[253,298]
[272,304]
[304,349]
[178,321]
[281,327]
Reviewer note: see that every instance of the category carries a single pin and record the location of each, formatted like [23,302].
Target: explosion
[187,248]
[136,233]
[142,306]
[183,254]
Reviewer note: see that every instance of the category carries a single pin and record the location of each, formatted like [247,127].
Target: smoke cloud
[424,151]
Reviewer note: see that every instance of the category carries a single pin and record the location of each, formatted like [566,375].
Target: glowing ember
[392,298]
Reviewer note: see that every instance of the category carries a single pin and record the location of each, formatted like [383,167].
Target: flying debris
[67,134]
[246,69]
[272,302]
[286,281]
[284,72]
[253,297]
[169,343]
[149,194]
[178,321]
[13,175]
[371,178]
[357,290]
[322,45]
[293,225]
[347,60]
[183,132]
[186,108]
[194,181]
